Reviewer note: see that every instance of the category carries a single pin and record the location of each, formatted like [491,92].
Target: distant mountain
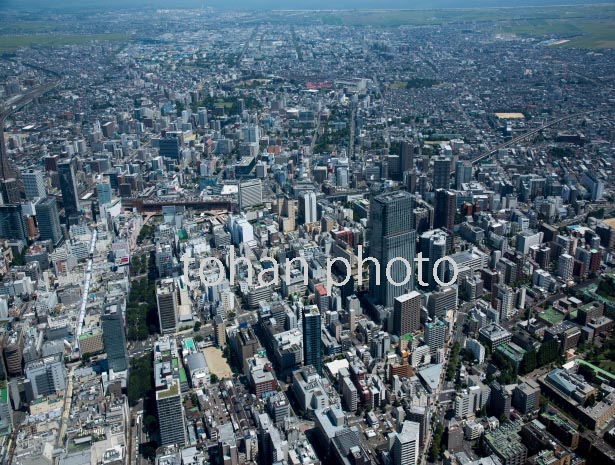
[107,5]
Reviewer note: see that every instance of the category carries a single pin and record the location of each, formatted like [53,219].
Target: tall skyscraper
[444,210]
[164,260]
[307,208]
[104,191]
[407,313]
[166,298]
[114,339]
[311,337]
[202,114]
[435,335]
[422,416]
[437,250]
[289,212]
[250,193]
[6,171]
[441,172]
[391,237]
[463,173]
[422,185]
[406,156]
[501,400]
[169,146]
[171,414]
[12,352]
[410,180]
[34,184]
[12,225]
[565,265]
[405,449]
[505,301]
[68,186]
[251,133]
[48,220]
[10,190]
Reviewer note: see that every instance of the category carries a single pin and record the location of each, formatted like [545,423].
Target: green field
[583,33]
[12,42]
[20,26]
[393,18]
[584,26]
[550,316]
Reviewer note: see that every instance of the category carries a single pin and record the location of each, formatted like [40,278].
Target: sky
[273,4]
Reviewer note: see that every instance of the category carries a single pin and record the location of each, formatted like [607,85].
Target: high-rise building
[251,133]
[526,396]
[307,208]
[46,376]
[33,184]
[5,166]
[202,115]
[311,337]
[441,301]
[543,256]
[405,449]
[441,172]
[12,224]
[114,339]
[103,191]
[500,400]
[444,210]
[565,265]
[406,156]
[166,298]
[219,331]
[422,416]
[407,313]
[48,220]
[169,146]
[171,423]
[12,352]
[287,224]
[463,173]
[606,234]
[10,190]
[435,335]
[68,186]
[422,185]
[505,302]
[392,238]
[437,250]
[476,348]
[322,299]
[246,345]
[164,259]
[250,193]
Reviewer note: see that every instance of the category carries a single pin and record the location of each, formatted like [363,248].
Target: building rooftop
[172,390]
[494,332]
[505,440]
[431,376]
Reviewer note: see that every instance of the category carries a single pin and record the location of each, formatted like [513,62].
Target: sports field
[217,363]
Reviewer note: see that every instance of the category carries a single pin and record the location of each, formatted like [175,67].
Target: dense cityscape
[307,237]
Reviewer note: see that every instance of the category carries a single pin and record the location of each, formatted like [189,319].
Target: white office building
[405,450]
